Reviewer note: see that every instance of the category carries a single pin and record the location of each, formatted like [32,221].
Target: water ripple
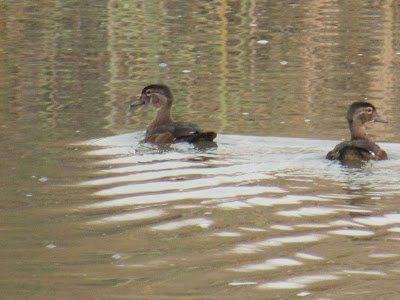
[212,193]
[253,204]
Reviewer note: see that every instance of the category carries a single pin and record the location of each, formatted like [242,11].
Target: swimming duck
[360,147]
[163,129]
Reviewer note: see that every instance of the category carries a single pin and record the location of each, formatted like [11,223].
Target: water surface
[89,212]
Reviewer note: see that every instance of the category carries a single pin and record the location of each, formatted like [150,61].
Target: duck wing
[357,150]
[176,132]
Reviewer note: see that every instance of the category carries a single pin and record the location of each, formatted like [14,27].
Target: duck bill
[380,119]
[137,103]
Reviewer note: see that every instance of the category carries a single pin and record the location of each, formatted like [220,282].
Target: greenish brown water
[87,212]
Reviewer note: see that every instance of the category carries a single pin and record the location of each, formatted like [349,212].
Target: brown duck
[360,147]
[163,129]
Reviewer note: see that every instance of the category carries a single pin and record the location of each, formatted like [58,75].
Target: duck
[163,129]
[360,147]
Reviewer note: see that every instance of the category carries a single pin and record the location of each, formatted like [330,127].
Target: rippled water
[90,212]
[262,213]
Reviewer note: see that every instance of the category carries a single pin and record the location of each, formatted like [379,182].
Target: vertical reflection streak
[222,11]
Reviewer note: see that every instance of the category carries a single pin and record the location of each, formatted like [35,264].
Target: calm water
[89,212]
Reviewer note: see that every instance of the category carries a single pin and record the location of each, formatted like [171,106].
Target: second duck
[360,147]
[163,129]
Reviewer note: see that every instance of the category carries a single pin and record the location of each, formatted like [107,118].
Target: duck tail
[208,136]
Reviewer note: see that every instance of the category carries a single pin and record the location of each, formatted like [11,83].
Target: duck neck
[163,117]
[357,130]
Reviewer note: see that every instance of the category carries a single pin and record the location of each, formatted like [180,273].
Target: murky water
[89,212]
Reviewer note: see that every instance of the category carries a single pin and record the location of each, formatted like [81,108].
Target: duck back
[176,132]
[357,150]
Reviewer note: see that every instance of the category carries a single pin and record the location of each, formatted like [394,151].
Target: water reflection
[131,216]
[268,204]
[277,241]
[298,282]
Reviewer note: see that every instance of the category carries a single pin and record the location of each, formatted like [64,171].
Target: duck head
[157,94]
[363,112]
[360,114]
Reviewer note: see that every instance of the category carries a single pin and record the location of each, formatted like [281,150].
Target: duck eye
[148,92]
[369,110]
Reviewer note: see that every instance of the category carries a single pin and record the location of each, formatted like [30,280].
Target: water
[89,212]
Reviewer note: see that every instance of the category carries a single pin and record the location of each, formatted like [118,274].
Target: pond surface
[90,212]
